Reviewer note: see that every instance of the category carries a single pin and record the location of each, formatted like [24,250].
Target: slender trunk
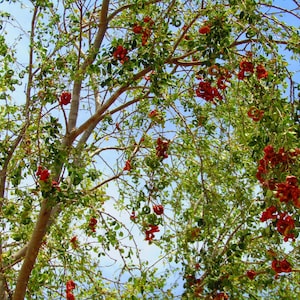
[32,251]
[2,279]
[3,294]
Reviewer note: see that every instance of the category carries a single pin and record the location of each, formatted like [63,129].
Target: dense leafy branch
[158,141]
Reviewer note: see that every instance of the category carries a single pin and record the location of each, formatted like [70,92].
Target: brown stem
[94,119]
[88,61]
[88,131]
[32,251]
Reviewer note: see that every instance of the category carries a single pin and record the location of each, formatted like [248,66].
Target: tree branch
[88,132]
[88,61]
[117,11]
[32,251]
[42,223]
[98,116]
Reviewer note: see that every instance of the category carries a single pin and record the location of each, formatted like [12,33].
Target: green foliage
[139,132]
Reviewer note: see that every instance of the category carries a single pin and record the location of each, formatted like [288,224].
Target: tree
[165,127]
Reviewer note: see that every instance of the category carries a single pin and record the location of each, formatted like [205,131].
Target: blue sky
[148,252]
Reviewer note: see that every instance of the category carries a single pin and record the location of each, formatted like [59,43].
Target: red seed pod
[204,29]
[158,209]
[65,98]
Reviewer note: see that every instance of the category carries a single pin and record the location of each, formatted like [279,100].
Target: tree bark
[3,294]
[32,251]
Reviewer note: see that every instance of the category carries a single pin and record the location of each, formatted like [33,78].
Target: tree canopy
[149,149]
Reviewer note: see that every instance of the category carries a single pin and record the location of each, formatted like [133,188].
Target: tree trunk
[32,251]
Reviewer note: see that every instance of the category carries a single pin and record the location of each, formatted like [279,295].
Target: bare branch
[88,132]
[88,61]
[98,116]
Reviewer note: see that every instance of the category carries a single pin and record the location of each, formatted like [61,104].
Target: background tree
[154,152]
